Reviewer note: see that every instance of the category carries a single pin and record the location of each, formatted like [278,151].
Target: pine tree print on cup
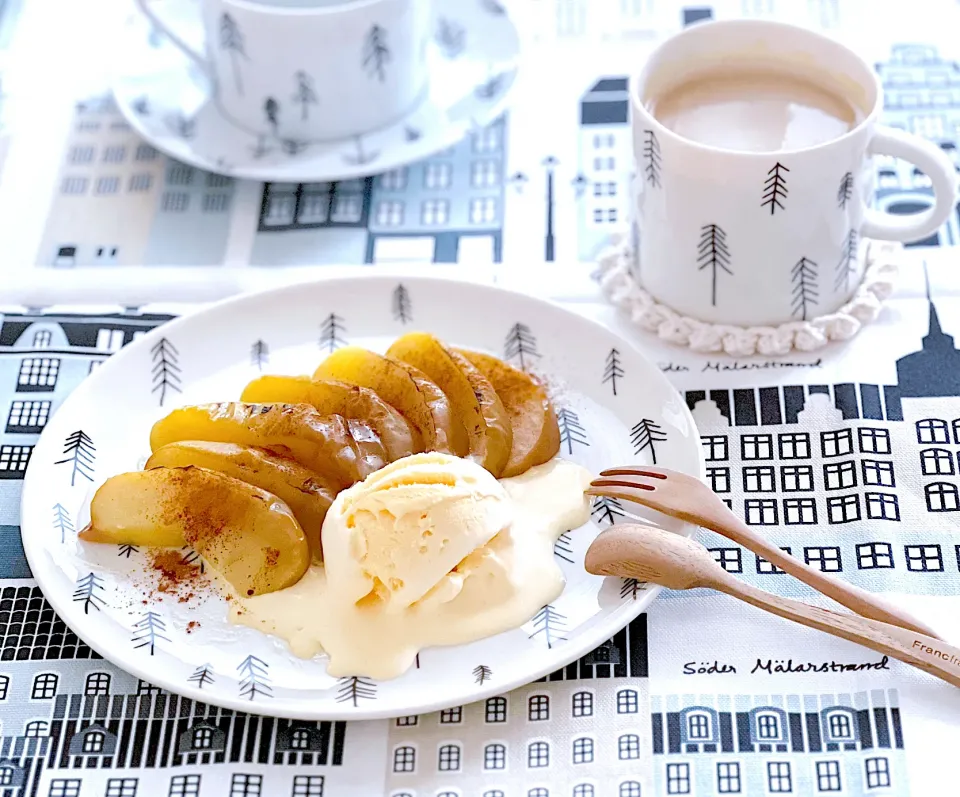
[520,345]
[481,674]
[451,37]
[292,146]
[493,7]
[846,265]
[254,678]
[775,188]
[352,689]
[259,354]
[202,676]
[331,333]
[62,521]
[549,625]
[571,431]
[88,592]
[411,134]
[651,158]
[231,40]
[712,253]
[805,291]
[491,87]
[645,435]
[361,157]
[612,370]
[376,53]
[271,110]
[305,95]
[845,191]
[166,369]
[81,454]
[182,126]
[402,309]
[148,631]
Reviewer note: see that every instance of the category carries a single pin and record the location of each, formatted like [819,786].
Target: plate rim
[453,134]
[38,559]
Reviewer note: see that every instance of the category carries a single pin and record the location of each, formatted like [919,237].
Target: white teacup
[753,144]
[311,70]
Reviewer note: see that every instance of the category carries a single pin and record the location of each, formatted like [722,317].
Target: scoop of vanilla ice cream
[396,536]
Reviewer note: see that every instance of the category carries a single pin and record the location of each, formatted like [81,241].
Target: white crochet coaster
[620,287]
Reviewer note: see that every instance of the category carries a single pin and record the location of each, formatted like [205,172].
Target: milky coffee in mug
[754,111]
[754,179]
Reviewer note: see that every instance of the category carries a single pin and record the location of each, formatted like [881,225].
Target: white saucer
[473,66]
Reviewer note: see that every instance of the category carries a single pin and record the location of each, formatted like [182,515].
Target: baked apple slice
[345,450]
[536,436]
[330,397]
[247,535]
[308,494]
[404,387]
[474,401]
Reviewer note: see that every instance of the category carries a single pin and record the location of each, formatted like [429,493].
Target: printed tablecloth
[849,459]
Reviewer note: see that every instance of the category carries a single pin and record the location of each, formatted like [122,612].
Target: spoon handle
[929,654]
[867,604]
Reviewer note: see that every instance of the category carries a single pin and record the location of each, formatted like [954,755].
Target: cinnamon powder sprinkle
[174,575]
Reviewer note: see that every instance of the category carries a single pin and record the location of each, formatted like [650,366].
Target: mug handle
[186,49]
[936,165]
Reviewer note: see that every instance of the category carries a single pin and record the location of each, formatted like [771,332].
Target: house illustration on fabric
[794,744]
[446,208]
[879,460]
[566,738]
[42,359]
[118,201]
[922,96]
[69,715]
[605,152]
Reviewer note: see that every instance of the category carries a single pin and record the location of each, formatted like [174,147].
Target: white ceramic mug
[310,70]
[765,238]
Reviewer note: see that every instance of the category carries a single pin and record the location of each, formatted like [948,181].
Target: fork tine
[633,496]
[635,470]
[636,485]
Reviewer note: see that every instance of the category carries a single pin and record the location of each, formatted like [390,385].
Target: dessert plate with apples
[349,499]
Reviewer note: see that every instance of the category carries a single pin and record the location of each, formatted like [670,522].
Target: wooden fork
[689,499]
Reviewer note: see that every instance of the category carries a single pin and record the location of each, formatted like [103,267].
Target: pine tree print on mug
[305,95]
[376,53]
[271,110]
[450,37]
[651,158]
[231,40]
[845,191]
[775,188]
[846,265]
[712,253]
[805,291]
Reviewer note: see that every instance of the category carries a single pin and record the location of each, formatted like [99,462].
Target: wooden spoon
[632,550]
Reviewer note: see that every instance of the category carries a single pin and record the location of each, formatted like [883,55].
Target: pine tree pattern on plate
[402,308]
[81,454]
[562,548]
[332,331]
[520,346]
[606,511]
[166,372]
[88,592]
[259,354]
[232,40]
[645,435]
[202,676]
[612,370]
[148,631]
[482,673]
[550,625]
[352,689]
[254,675]
[571,431]
[62,522]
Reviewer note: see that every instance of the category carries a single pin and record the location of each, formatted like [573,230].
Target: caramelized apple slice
[536,436]
[404,387]
[345,450]
[330,397]
[247,535]
[308,494]
[471,395]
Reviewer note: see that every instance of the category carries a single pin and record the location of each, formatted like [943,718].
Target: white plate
[102,429]
[473,67]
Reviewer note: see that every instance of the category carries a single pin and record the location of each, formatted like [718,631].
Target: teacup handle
[170,33]
[936,165]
